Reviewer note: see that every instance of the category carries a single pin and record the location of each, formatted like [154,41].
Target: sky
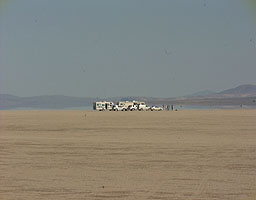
[107,48]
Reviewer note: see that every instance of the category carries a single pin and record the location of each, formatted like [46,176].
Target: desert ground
[190,155]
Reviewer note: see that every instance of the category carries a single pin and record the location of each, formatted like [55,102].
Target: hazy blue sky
[105,48]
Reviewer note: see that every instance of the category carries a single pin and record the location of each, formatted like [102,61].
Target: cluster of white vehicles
[124,106]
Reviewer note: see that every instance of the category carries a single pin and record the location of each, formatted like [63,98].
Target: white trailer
[102,105]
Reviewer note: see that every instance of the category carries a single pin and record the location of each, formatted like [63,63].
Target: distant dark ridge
[43,102]
[242,89]
[233,101]
[48,101]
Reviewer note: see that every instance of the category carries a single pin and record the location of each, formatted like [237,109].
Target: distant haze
[97,48]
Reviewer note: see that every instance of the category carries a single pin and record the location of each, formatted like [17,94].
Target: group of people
[168,107]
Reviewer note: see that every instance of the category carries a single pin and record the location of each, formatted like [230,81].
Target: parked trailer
[124,104]
[102,105]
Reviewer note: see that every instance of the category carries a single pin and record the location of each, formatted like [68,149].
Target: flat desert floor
[190,155]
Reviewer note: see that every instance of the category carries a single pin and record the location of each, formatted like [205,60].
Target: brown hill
[240,91]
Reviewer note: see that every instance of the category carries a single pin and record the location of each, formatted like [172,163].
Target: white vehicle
[156,108]
[125,104]
[143,107]
[132,107]
[118,108]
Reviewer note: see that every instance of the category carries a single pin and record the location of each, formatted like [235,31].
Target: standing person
[172,107]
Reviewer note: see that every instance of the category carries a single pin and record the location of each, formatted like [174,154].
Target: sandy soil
[186,155]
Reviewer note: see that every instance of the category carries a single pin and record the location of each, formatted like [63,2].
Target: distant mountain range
[240,91]
[241,95]
[43,102]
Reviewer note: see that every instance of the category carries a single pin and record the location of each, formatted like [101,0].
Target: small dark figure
[167,52]
[103,187]
[172,107]
[204,3]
